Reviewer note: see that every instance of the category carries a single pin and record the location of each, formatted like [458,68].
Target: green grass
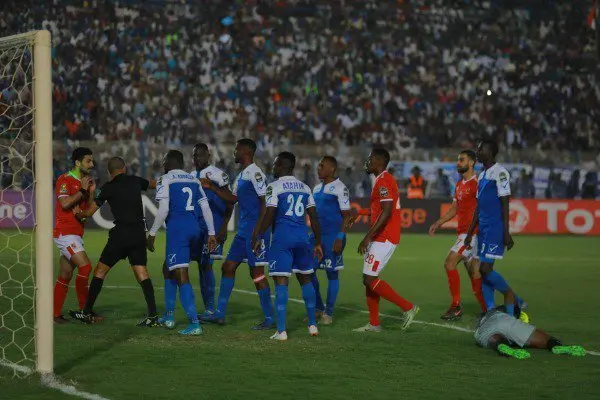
[558,276]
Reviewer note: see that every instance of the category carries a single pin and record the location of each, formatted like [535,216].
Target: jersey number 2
[297,209]
[188,206]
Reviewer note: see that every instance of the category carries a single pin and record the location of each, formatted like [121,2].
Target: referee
[126,240]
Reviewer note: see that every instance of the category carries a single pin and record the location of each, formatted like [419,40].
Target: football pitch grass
[558,276]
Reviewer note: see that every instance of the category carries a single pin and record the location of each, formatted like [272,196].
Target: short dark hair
[249,143]
[175,158]
[470,153]
[493,146]
[80,153]
[290,158]
[202,146]
[332,160]
[115,164]
[382,153]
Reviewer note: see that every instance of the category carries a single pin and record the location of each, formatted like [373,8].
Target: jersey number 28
[297,209]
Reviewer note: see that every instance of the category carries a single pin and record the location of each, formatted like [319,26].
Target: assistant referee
[126,240]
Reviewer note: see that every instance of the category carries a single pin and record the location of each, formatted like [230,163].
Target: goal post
[43,182]
[26,203]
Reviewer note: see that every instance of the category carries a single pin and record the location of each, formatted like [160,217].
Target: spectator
[557,188]
[524,188]
[415,184]
[573,186]
[589,188]
[442,187]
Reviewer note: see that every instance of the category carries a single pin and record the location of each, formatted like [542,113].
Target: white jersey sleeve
[502,181]
[235,184]
[217,176]
[162,188]
[259,181]
[343,196]
[272,195]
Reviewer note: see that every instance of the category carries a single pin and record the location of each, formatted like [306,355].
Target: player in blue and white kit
[333,205]
[221,211]
[180,196]
[249,193]
[288,200]
[492,215]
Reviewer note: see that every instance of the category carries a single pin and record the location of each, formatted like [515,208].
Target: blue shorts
[331,261]
[241,251]
[287,257]
[200,252]
[490,244]
[181,243]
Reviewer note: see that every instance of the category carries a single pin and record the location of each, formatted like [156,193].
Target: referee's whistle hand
[150,243]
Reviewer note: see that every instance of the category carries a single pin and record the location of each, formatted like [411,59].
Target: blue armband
[341,236]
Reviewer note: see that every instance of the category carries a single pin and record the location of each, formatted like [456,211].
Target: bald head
[116,165]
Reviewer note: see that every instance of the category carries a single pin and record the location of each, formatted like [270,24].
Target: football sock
[224,293]
[281,299]
[94,291]
[510,309]
[188,301]
[170,295]
[519,300]
[373,306]
[315,281]
[497,281]
[81,284]
[202,284]
[333,288]
[384,290]
[309,296]
[488,294]
[264,295]
[207,286]
[553,342]
[454,285]
[476,286]
[148,290]
[61,287]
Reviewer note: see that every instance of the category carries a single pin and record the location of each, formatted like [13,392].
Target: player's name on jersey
[293,185]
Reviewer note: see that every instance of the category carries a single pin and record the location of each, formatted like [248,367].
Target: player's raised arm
[223,192]
[445,218]
[67,201]
[503,185]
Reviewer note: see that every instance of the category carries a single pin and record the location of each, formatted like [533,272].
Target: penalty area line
[53,382]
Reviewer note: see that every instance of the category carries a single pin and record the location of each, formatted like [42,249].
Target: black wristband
[84,192]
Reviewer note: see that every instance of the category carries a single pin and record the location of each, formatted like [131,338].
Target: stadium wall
[538,217]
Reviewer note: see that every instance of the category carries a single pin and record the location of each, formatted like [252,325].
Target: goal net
[26,259]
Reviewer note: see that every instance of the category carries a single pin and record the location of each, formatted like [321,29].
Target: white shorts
[377,256]
[467,253]
[69,245]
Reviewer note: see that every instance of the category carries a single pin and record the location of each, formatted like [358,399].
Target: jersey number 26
[297,209]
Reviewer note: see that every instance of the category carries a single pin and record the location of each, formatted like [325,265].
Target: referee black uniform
[128,238]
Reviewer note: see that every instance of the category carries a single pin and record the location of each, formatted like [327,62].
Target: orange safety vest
[415,188]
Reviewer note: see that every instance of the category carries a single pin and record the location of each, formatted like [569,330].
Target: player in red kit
[381,241]
[72,195]
[463,206]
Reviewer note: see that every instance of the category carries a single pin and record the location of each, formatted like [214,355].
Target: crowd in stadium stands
[399,73]
[404,74]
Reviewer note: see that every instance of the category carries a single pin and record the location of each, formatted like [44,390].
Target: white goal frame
[44,201]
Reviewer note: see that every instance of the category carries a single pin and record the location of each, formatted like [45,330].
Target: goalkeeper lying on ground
[509,336]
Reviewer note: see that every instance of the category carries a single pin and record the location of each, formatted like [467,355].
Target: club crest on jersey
[503,177]
[63,188]
[383,192]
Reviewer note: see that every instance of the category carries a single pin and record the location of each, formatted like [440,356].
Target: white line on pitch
[53,382]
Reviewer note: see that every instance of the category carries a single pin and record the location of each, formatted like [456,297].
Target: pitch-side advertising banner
[547,217]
